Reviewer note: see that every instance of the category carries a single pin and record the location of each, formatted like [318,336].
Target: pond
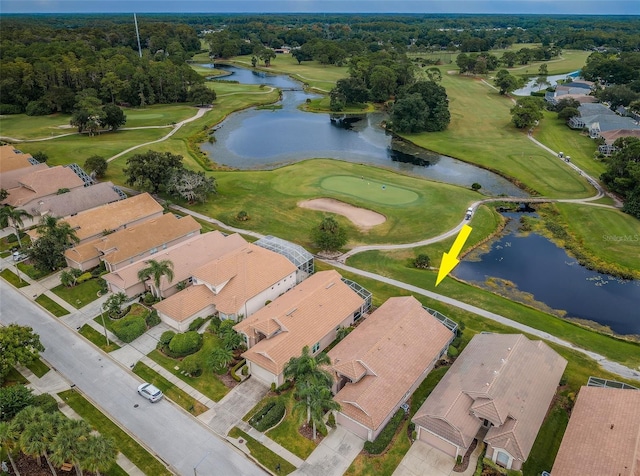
[539,267]
[269,138]
[553,80]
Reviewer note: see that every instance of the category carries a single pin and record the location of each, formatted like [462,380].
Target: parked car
[468,214]
[18,256]
[150,392]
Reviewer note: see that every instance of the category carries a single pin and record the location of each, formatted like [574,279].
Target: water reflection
[538,266]
[267,139]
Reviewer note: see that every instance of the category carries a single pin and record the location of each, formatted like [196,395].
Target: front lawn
[14,378]
[98,339]
[79,295]
[264,455]
[38,367]
[13,279]
[51,306]
[126,444]
[207,383]
[286,434]
[169,389]
[30,270]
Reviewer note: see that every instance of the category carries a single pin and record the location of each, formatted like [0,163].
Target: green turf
[79,295]
[51,306]
[98,338]
[368,189]
[266,457]
[39,368]
[13,279]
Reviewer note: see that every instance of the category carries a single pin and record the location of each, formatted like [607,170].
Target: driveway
[333,455]
[424,460]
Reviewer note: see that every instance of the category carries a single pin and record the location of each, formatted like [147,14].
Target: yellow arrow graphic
[450,260]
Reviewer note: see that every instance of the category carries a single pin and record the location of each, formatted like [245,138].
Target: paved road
[164,428]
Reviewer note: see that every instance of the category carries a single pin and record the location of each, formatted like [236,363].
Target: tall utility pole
[137,34]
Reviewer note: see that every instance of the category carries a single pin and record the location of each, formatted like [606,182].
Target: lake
[553,80]
[266,139]
[537,266]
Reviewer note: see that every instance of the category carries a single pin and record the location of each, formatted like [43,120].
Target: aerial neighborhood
[271,271]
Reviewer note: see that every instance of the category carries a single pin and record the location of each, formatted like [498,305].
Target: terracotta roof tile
[42,182]
[12,160]
[136,240]
[186,303]
[491,368]
[307,313]
[114,215]
[603,435]
[11,179]
[394,346]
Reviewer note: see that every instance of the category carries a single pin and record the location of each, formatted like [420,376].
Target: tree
[434,74]
[201,95]
[99,453]
[113,305]
[382,81]
[435,97]
[506,82]
[152,170]
[156,270]
[3,194]
[54,237]
[265,54]
[618,95]
[18,345]
[40,156]
[68,277]
[13,399]
[422,261]
[475,186]
[329,235]
[112,117]
[34,440]
[409,114]
[526,112]
[318,399]
[219,358]
[564,103]
[13,216]
[96,165]
[191,186]
[567,113]
[86,115]
[69,443]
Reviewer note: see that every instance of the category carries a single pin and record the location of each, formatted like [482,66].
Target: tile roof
[136,240]
[303,315]
[487,378]
[248,270]
[75,201]
[611,136]
[186,303]
[185,256]
[10,159]
[400,334]
[40,183]
[11,179]
[603,435]
[113,215]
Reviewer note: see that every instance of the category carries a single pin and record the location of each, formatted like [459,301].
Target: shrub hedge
[166,337]
[268,416]
[235,368]
[129,328]
[152,319]
[215,325]
[286,385]
[191,365]
[378,445]
[196,324]
[84,277]
[184,344]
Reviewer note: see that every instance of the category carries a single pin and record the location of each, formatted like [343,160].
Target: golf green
[368,189]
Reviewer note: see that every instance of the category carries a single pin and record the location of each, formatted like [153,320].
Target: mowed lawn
[271,198]
[609,234]
[481,133]
[21,126]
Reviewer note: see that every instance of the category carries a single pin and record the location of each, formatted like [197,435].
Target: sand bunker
[362,218]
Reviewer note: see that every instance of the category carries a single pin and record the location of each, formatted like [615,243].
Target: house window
[316,347]
[502,459]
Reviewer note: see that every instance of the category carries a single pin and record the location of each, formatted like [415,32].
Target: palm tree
[157,269]
[318,400]
[307,367]
[68,443]
[99,453]
[8,437]
[13,216]
[34,441]
[219,358]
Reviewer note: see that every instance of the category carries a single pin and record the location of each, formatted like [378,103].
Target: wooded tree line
[44,66]
[466,33]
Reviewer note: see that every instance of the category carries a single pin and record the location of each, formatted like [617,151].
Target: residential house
[611,136]
[72,202]
[378,366]
[13,159]
[599,118]
[93,223]
[10,179]
[233,286]
[308,315]
[301,258]
[134,243]
[186,257]
[603,435]
[499,390]
[40,182]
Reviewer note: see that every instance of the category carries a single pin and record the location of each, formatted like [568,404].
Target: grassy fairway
[270,198]
[610,235]
[21,126]
[373,191]
[554,133]
[315,75]
[481,132]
